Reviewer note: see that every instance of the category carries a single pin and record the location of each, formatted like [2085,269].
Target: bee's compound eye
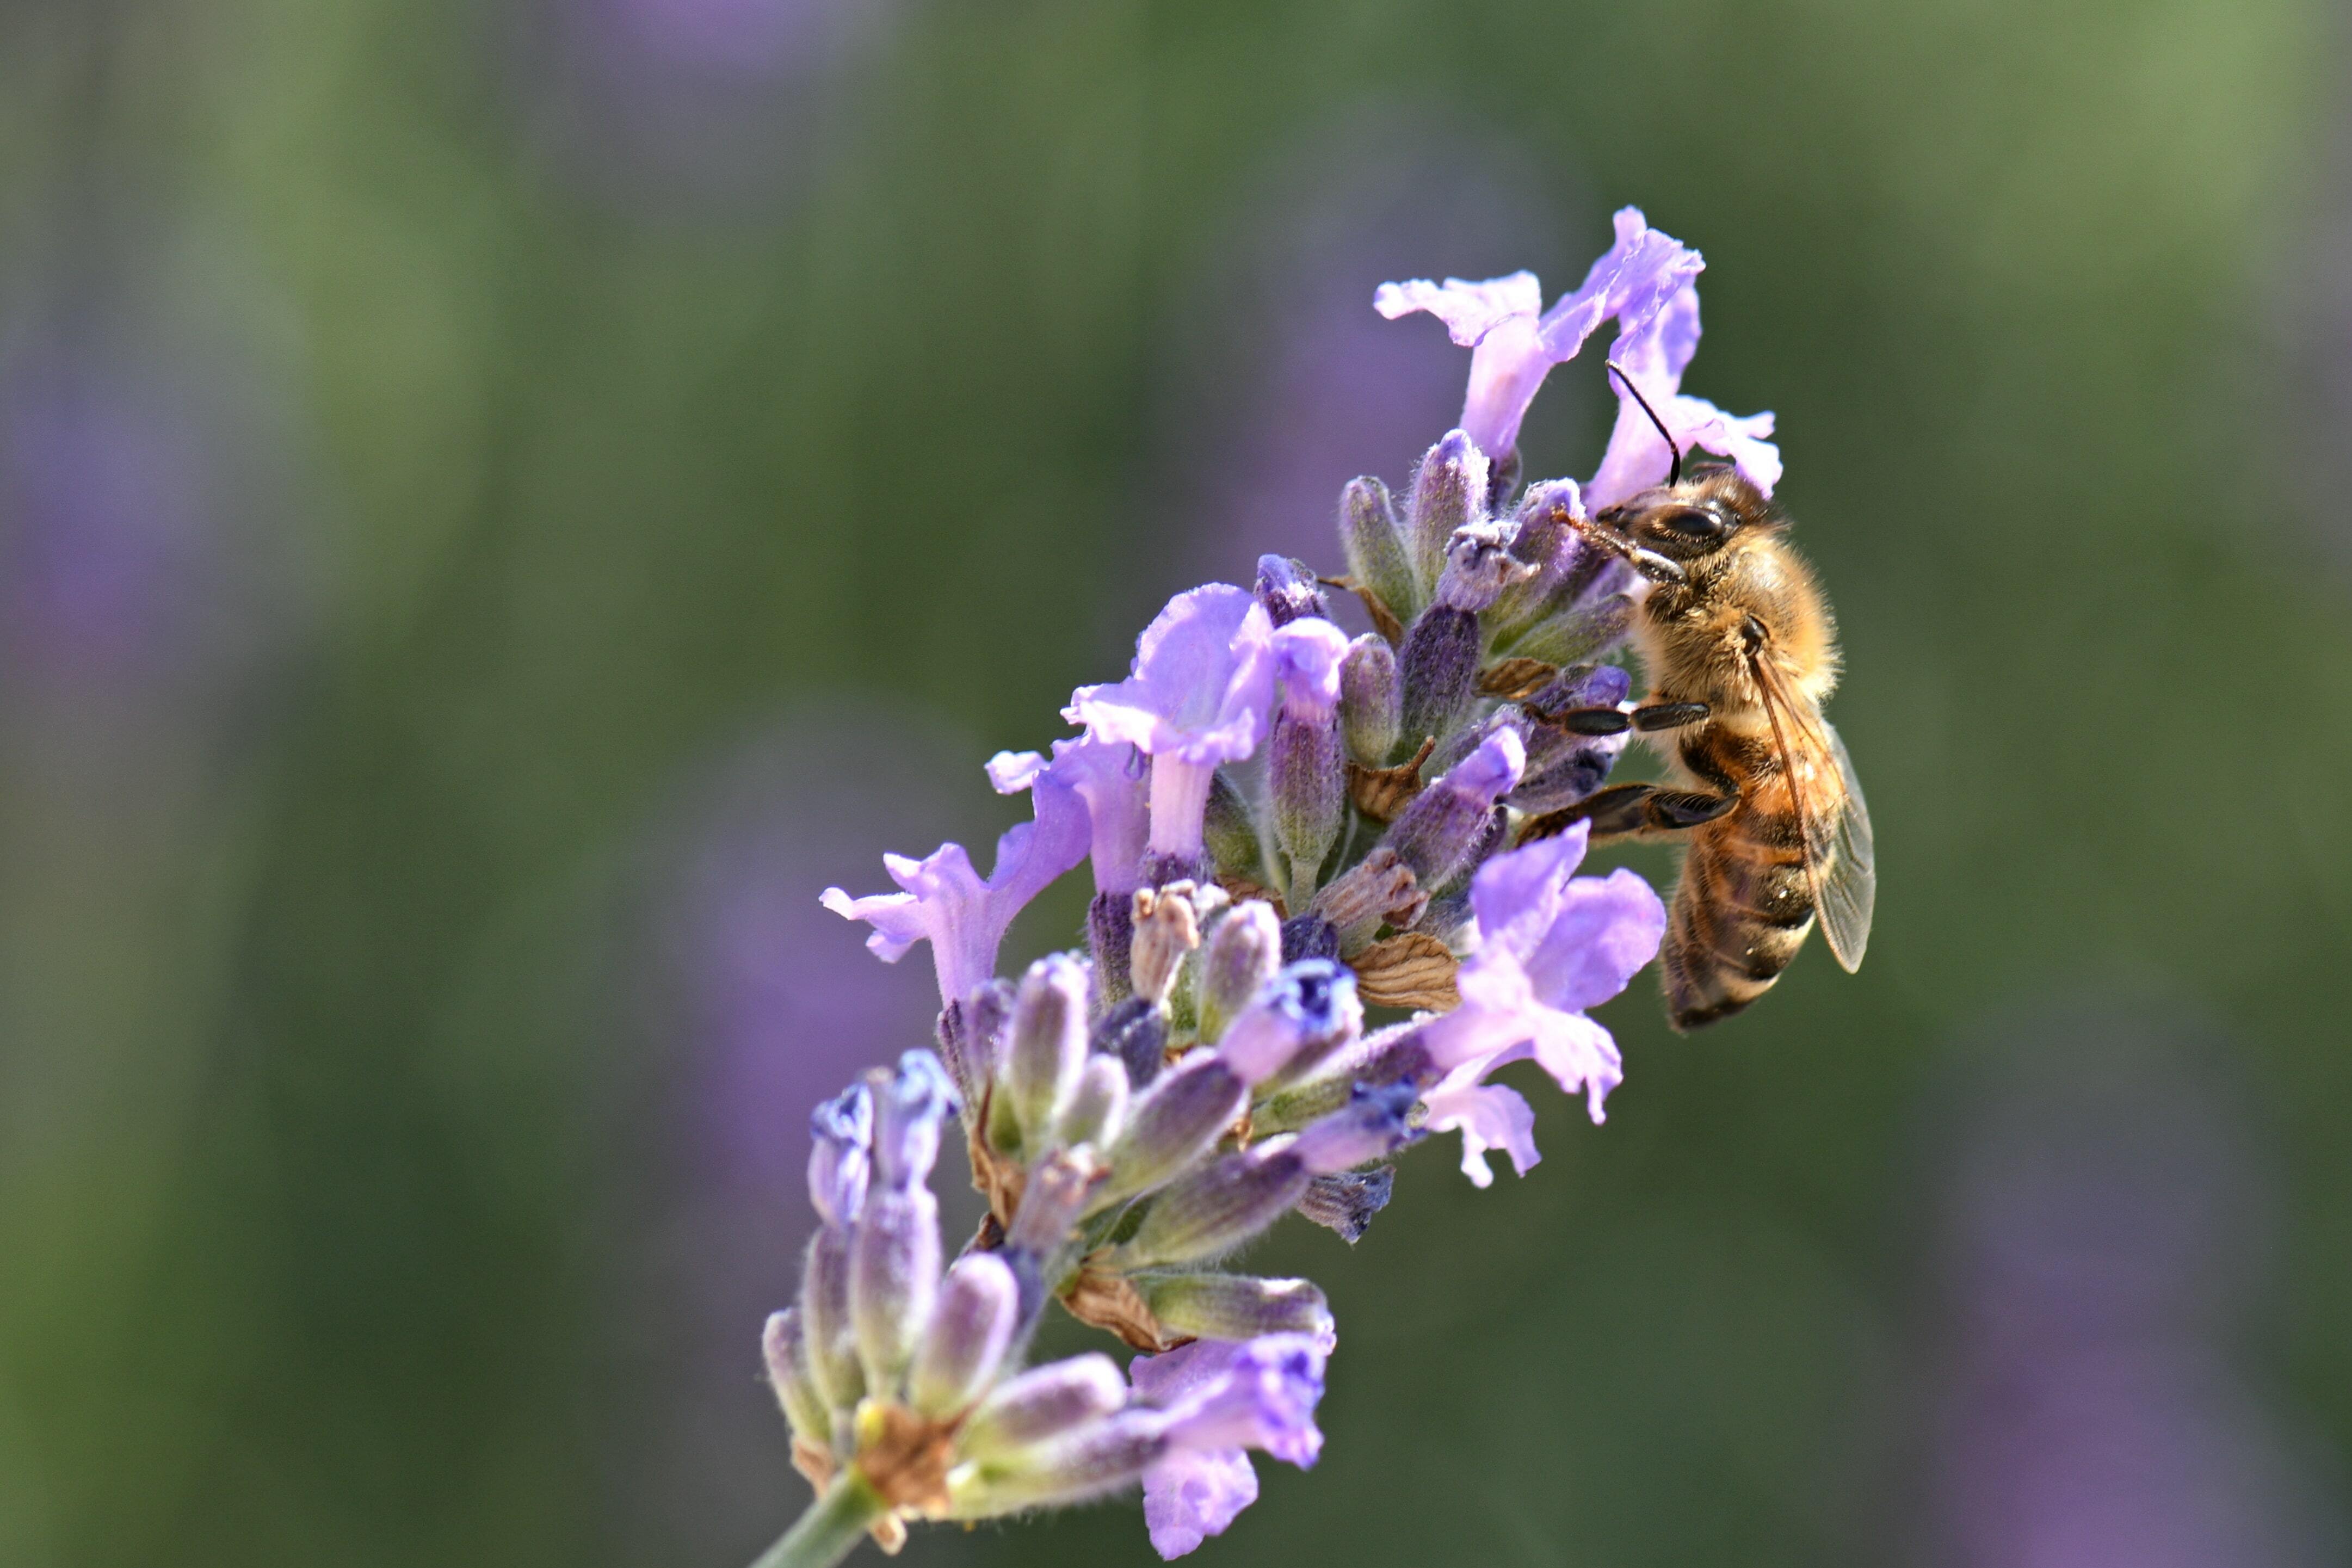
[1692,522]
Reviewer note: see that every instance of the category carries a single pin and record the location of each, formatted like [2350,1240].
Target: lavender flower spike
[1550,945]
[1198,695]
[946,903]
[1513,347]
[1222,1398]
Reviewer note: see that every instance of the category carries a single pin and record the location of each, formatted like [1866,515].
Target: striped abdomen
[1743,905]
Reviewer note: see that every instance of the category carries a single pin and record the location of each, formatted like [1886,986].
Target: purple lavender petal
[1222,1394]
[1498,320]
[1189,1495]
[1550,945]
[1201,684]
[1516,895]
[1512,347]
[1635,280]
[1489,1116]
[1200,687]
[1604,930]
[947,904]
[1112,780]
[1637,457]
[1308,653]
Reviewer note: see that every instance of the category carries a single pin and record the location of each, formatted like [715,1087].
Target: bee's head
[1683,519]
[1694,519]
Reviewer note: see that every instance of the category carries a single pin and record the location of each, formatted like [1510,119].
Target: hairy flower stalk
[1285,827]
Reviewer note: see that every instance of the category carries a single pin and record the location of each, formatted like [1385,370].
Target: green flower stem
[830,1529]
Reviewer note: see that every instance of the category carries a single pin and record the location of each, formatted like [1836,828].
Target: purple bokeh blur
[675,104]
[758,1004]
[1286,383]
[2100,1241]
[156,558]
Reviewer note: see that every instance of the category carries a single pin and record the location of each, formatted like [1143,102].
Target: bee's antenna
[1674,478]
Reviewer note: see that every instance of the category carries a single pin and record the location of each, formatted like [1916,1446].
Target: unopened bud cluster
[901,1377]
[1286,825]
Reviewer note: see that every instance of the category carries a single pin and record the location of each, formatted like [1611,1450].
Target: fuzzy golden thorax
[1739,572]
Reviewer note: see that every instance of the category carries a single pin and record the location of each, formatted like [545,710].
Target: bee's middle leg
[1647,718]
[1632,811]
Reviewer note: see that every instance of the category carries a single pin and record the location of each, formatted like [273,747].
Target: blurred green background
[505,500]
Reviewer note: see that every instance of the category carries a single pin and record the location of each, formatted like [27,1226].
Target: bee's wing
[1850,892]
[1841,861]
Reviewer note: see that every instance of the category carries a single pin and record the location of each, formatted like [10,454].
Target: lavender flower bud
[841,1131]
[1345,1201]
[1563,768]
[1217,1209]
[1110,937]
[827,1330]
[1371,699]
[1449,911]
[1305,1014]
[1379,888]
[1305,769]
[1087,1461]
[1479,565]
[784,1345]
[1370,1127]
[1236,1306]
[1545,542]
[1229,833]
[1400,1054]
[971,1038]
[1136,1032]
[1439,666]
[909,1107]
[1181,1120]
[1052,1203]
[1057,1193]
[1438,833]
[894,1275]
[1374,543]
[1308,936]
[1048,1042]
[1097,1107]
[970,1330]
[1244,951]
[1167,929]
[1209,1214]
[1580,632]
[1040,1404]
[1448,490]
[1288,590]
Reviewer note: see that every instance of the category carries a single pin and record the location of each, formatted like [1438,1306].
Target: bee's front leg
[1648,563]
[1632,811]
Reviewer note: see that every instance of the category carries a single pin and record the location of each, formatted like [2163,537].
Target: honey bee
[1740,650]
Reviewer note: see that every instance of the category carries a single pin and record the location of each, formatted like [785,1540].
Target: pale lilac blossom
[1222,1398]
[1645,281]
[1198,695]
[1114,781]
[1514,342]
[944,901]
[1551,946]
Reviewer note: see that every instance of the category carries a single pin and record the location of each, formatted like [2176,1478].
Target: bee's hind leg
[1632,811]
